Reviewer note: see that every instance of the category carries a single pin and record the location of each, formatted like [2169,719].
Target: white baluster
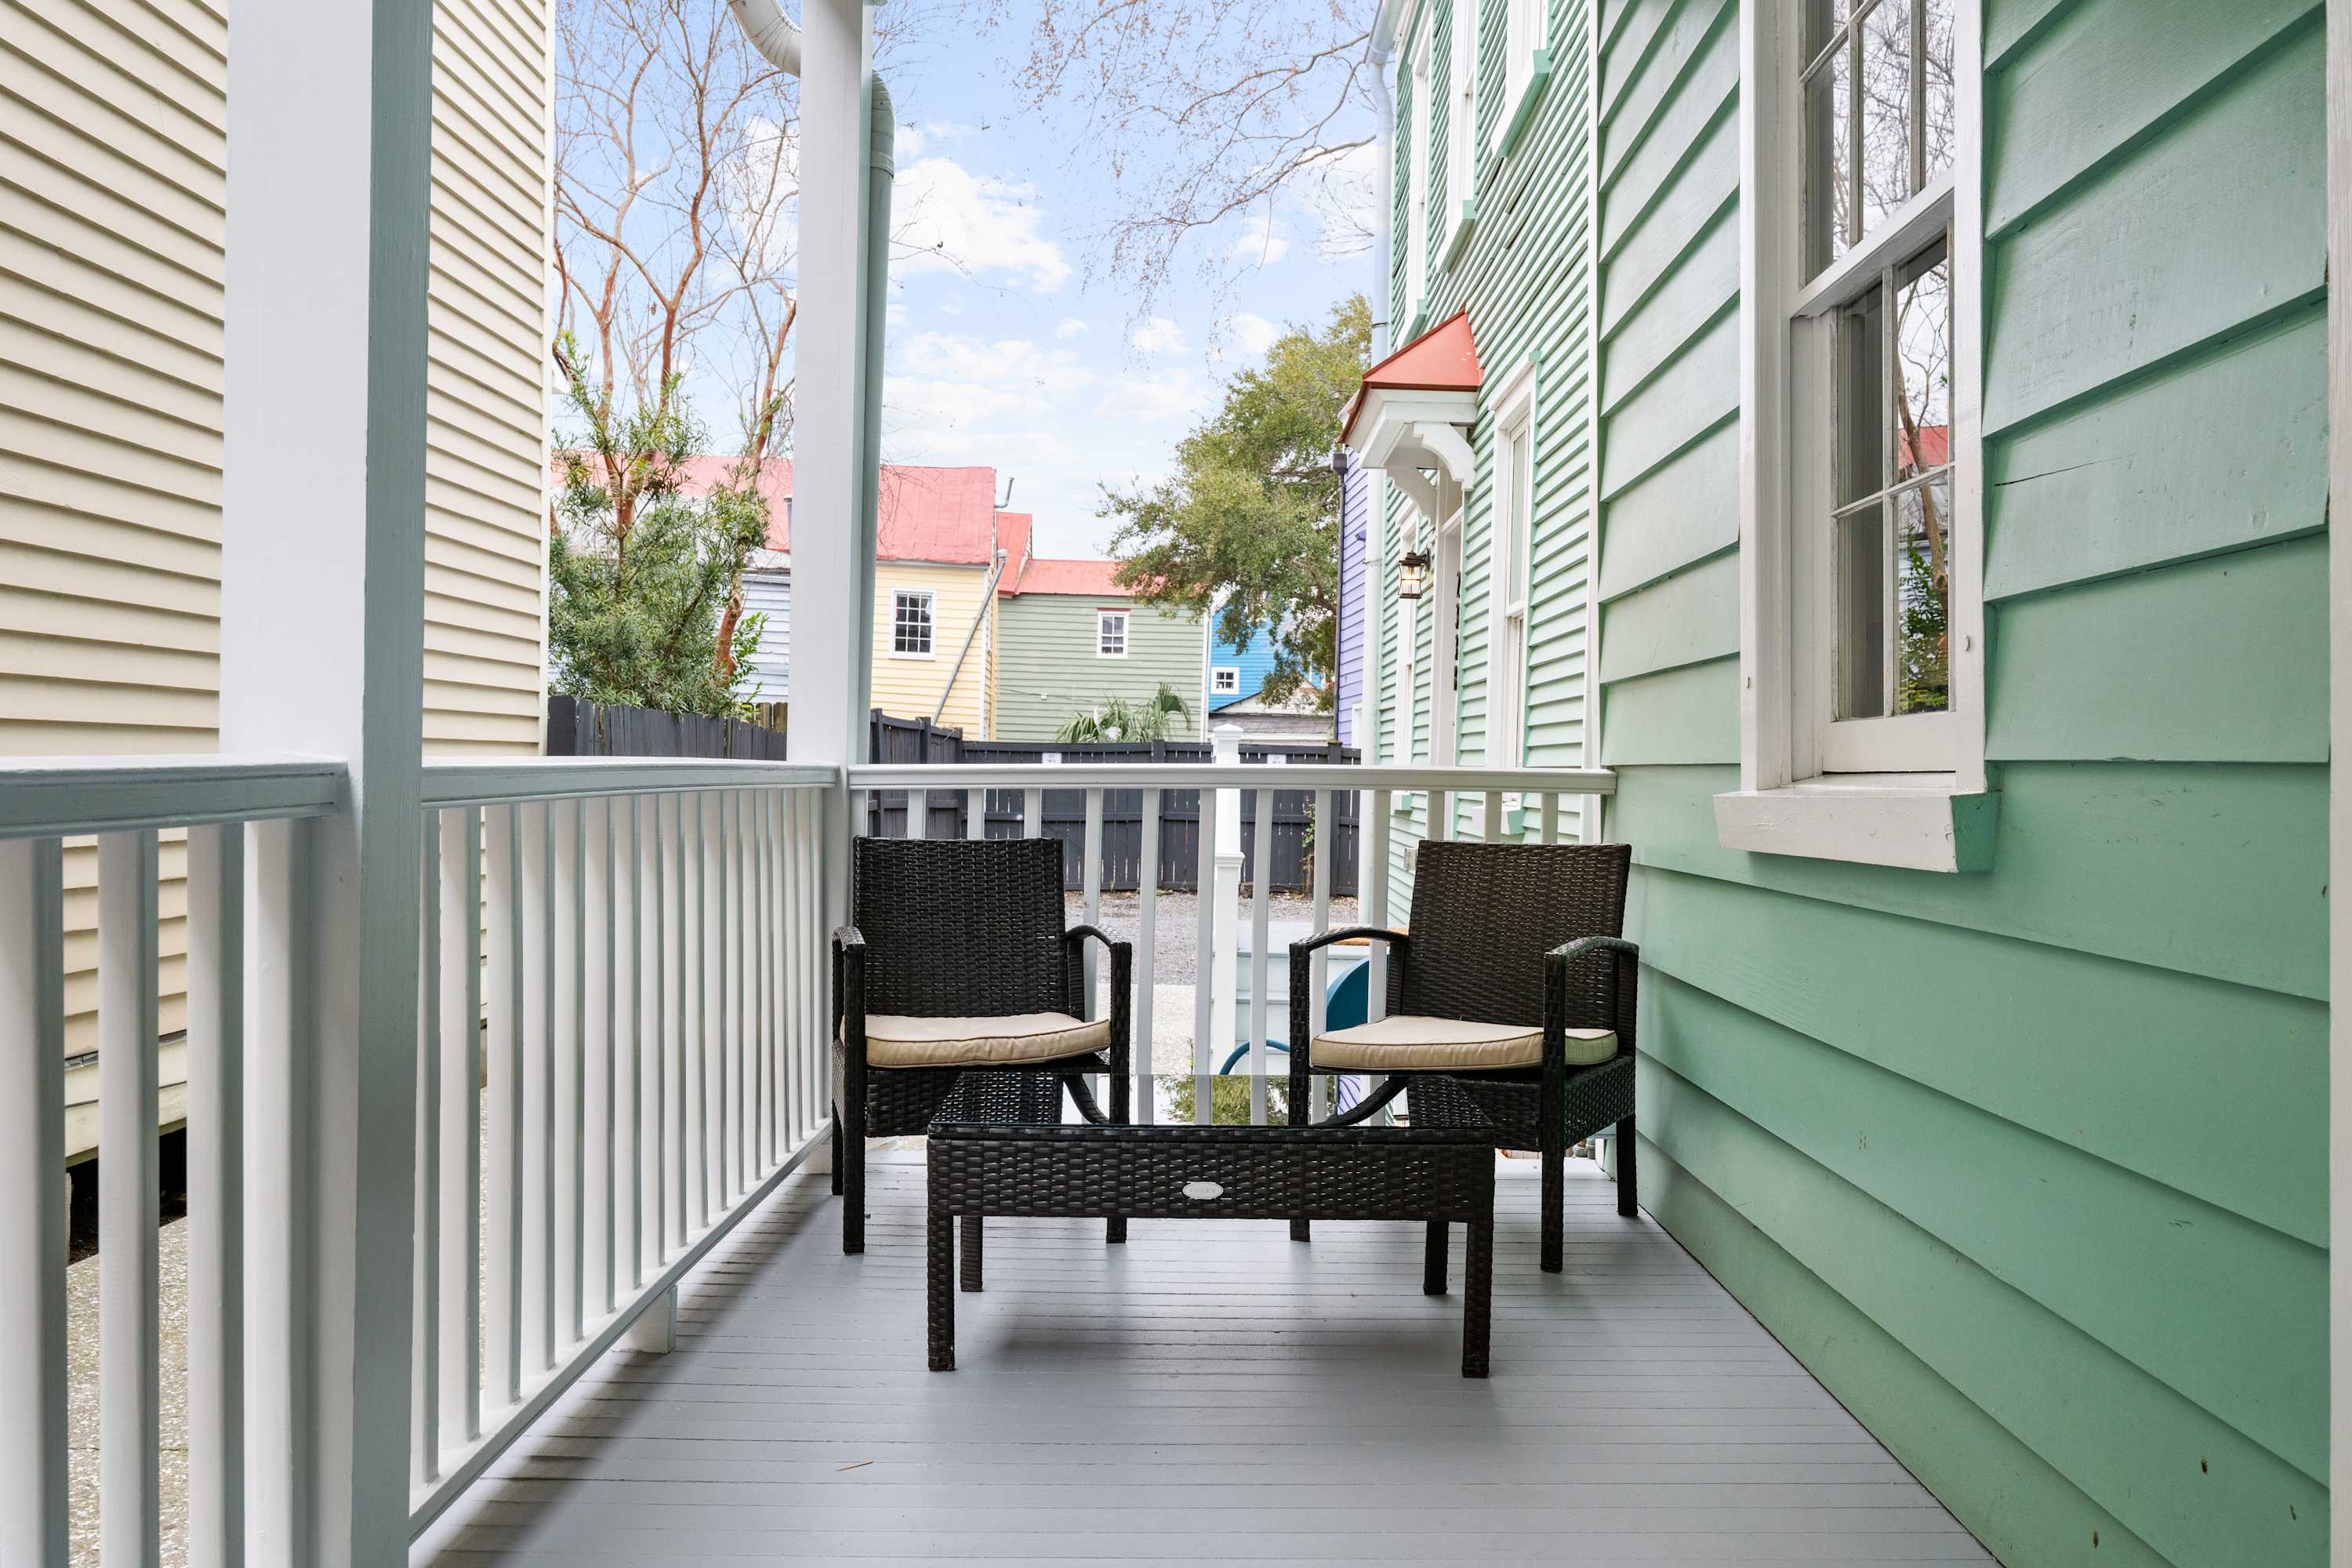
[34,1508]
[1326,829]
[1090,886]
[503,1330]
[1261,935]
[536,833]
[130,1401]
[1204,948]
[629,962]
[567,1064]
[424,1342]
[458,845]
[215,1227]
[975,813]
[596,1019]
[1146,936]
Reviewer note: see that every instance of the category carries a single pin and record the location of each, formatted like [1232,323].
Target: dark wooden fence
[1295,839]
[582,728]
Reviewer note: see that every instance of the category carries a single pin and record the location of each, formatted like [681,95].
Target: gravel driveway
[1177,927]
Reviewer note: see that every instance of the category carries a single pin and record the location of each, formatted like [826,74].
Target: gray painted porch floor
[1208,1393]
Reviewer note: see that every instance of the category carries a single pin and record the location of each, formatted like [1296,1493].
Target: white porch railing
[648,1033]
[623,1048]
[1549,806]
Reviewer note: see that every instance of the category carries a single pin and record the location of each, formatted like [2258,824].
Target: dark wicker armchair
[1510,1006]
[959,971]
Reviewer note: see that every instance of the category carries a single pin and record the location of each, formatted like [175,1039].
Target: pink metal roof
[1093,579]
[927,514]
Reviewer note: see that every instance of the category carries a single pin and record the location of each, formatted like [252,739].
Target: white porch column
[321,651]
[829,579]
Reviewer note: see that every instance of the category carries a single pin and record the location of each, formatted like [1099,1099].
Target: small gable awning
[1411,411]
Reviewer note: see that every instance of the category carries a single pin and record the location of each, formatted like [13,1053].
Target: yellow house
[939,550]
[110,451]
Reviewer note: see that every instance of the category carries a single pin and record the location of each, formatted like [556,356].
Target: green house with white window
[1070,640]
[1894,439]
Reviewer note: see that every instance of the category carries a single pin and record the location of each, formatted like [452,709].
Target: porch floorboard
[1211,1392]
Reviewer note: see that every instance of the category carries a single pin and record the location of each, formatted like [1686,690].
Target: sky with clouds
[1004,352]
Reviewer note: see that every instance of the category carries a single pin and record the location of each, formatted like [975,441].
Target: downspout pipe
[881,164]
[778,39]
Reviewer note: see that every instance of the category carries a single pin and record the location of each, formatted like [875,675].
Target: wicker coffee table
[1110,1172]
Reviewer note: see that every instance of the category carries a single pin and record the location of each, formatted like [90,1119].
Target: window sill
[1458,239]
[1521,109]
[1915,821]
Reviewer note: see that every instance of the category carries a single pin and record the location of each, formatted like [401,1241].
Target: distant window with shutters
[910,623]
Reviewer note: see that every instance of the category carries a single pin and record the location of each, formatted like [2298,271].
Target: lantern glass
[1412,575]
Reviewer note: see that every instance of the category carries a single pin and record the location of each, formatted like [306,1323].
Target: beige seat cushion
[896,1042]
[1409,1044]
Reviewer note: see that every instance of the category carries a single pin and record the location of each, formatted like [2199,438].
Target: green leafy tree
[643,579]
[1161,717]
[1252,511]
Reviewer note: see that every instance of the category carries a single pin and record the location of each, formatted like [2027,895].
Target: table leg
[972,1259]
[939,1254]
[1432,1267]
[1478,1309]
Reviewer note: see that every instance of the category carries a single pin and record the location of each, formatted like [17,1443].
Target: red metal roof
[927,514]
[1442,359]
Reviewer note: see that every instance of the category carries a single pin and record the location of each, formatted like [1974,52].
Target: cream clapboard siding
[112,228]
[486,418]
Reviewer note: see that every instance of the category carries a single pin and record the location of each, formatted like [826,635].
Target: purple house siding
[1354,501]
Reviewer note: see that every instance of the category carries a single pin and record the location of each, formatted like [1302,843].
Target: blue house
[1234,691]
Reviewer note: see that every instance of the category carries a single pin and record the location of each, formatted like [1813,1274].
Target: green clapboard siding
[2029,1165]
[1048,668]
[1523,273]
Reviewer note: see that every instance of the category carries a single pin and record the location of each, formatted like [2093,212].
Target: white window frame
[1224,681]
[1924,806]
[1462,132]
[1418,153]
[902,598]
[1103,619]
[1510,534]
[1525,28]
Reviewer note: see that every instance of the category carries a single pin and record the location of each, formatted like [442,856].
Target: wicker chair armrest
[1122,989]
[1556,964]
[1081,933]
[1350,934]
[848,937]
[1585,945]
[849,1000]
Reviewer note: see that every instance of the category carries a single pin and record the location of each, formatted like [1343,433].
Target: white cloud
[1261,242]
[1156,397]
[1252,334]
[1070,327]
[1156,336]
[908,142]
[950,217]
[950,356]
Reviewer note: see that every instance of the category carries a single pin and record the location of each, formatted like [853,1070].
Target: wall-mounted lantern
[1412,575]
